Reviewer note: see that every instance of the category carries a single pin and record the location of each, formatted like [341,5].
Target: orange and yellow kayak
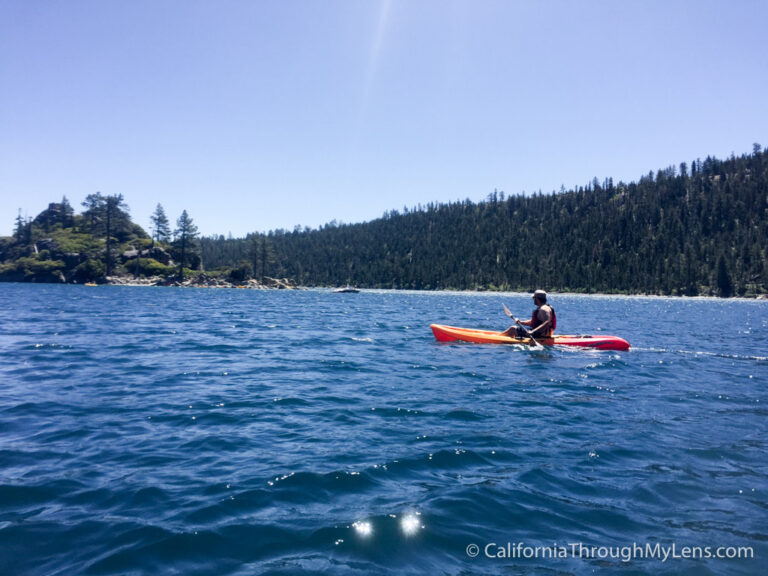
[453,334]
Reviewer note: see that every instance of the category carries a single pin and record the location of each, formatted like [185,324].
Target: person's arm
[544,325]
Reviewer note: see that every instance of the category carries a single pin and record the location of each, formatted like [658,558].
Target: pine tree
[161,228]
[186,235]
[254,252]
[267,257]
[67,213]
[18,231]
[94,205]
[724,282]
[114,215]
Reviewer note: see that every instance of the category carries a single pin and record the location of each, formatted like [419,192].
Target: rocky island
[103,246]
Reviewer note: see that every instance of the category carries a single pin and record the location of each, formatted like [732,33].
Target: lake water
[192,431]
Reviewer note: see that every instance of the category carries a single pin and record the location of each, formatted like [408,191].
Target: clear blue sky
[256,115]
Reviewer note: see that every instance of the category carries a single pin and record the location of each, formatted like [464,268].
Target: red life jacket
[535,322]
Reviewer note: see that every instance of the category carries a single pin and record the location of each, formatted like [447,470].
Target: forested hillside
[686,230]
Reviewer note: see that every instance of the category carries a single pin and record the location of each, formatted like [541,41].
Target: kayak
[453,334]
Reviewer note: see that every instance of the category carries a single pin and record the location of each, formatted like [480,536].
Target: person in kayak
[543,320]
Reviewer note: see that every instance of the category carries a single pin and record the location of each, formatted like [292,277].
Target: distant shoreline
[201,281]
[556,294]
[287,284]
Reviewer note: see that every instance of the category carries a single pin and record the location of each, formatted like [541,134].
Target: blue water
[192,431]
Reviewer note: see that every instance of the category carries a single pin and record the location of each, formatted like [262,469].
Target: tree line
[59,245]
[683,230]
[698,229]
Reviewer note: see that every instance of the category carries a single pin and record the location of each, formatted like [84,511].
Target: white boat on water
[346,290]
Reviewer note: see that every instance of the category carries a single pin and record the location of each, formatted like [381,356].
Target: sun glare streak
[373,64]
[378,41]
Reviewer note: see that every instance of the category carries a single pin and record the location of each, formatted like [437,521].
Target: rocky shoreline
[202,281]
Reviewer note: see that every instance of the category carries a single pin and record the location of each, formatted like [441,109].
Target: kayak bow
[453,334]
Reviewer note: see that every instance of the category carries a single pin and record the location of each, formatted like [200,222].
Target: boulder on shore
[155,253]
[203,280]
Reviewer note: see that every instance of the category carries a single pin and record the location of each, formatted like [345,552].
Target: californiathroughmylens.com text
[628,553]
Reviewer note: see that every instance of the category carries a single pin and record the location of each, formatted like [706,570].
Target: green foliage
[58,242]
[186,273]
[71,241]
[32,269]
[89,270]
[18,229]
[186,243]
[724,283]
[255,254]
[6,247]
[661,235]
[151,267]
[142,243]
[700,230]
[241,273]
[161,227]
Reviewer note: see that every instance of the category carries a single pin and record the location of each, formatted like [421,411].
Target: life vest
[535,322]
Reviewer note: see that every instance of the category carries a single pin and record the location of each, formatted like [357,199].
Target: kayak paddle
[517,321]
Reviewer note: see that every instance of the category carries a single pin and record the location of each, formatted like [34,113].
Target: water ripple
[230,432]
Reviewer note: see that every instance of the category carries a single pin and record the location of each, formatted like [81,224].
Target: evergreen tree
[186,236]
[267,257]
[115,216]
[94,205]
[161,228]
[19,229]
[254,252]
[67,213]
[724,283]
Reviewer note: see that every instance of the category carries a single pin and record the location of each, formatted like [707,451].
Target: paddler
[543,320]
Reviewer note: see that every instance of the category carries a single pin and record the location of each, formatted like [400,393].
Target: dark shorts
[521,332]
